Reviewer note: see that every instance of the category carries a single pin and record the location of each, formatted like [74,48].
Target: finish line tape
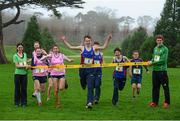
[104,65]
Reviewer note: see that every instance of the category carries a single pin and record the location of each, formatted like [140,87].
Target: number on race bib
[88,61]
[22,63]
[156,58]
[39,70]
[119,68]
[136,71]
[96,62]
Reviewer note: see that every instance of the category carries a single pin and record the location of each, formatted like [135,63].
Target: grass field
[74,99]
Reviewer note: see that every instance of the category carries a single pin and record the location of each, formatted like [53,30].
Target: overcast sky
[133,8]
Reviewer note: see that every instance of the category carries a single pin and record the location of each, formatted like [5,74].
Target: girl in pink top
[39,74]
[57,74]
[34,54]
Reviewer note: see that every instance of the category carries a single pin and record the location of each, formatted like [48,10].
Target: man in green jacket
[159,74]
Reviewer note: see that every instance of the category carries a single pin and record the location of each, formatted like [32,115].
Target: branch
[14,20]
[12,4]
[18,22]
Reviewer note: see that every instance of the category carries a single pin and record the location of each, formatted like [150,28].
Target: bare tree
[145,21]
[126,22]
[18,4]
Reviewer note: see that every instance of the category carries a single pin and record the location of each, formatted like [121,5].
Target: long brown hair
[56,46]
[18,44]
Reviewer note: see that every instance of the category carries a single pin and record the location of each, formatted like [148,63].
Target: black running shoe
[96,101]
[114,102]
[66,84]
[34,95]
[89,106]
[138,92]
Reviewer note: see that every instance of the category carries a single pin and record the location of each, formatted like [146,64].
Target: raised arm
[145,67]
[127,59]
[67,59]
[106,43]
[63,38]
[44,52]
[46,57]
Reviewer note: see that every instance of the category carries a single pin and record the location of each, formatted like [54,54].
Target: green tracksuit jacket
[160,57]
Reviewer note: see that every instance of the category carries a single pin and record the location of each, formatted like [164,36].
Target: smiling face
[135,55]
[117,53]
[159,41]
[36,45]
[19,48]
[87,42]
[38,52]
[55,49]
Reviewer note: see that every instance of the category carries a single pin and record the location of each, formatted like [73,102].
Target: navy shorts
[41,79]
[49,76]
[136,80]
[119,83]
[85,74]
[58,77]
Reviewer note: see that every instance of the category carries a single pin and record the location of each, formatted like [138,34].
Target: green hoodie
[160,56]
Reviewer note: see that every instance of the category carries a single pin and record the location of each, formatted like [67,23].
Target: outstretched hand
[29,60]
[149,63]
[27,66]
[63,38]
[71,60]
[110,36]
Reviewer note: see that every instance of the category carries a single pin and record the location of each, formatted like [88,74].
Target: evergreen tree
[169,27]
[47,40]
[31,35]
[134,42]
[147,47]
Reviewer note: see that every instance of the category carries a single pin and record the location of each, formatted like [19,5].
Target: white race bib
[119,68]
[96,62]
[156,58]
[88,61]
[136,71]
[38,70]
[23,63]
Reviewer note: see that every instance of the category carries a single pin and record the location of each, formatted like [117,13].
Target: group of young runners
[90,78]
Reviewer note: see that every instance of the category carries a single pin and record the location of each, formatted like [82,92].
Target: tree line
[168,26]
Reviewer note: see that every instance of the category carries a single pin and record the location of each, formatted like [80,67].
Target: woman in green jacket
[20,76]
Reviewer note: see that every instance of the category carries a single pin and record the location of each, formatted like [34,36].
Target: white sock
[39,97]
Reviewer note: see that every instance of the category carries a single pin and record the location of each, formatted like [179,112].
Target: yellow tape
[44,67]
[94,65]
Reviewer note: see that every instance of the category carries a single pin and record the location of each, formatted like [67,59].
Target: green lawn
[74,99]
